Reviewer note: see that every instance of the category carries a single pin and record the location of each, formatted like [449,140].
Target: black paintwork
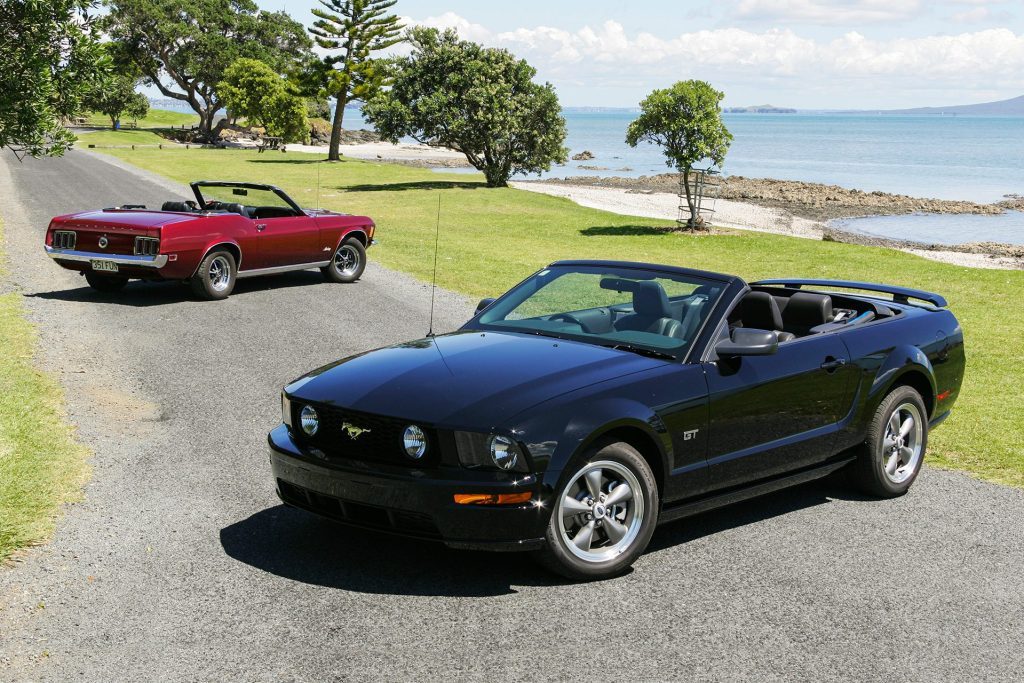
[714,429]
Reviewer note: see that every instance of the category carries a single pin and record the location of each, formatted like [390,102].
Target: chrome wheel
[902,443]
[219,274]
[346,261]
[600,511]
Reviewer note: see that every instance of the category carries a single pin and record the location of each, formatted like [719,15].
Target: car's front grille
[64,239]
[147,246]
[350,435]
[359,514]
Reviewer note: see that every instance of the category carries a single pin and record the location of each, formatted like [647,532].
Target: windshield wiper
[641,350]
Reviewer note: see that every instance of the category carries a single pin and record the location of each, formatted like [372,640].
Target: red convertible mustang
[231,230]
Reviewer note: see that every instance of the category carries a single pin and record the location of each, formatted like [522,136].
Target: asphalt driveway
[182,565]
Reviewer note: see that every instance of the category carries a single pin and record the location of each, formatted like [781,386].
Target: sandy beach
[774,219]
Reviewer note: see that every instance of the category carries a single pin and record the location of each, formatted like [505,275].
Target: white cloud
[828,11]
[607,52]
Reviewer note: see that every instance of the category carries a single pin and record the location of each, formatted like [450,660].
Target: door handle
[260,227]
[832,364]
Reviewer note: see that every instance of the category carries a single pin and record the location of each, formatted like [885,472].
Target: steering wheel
[570,318]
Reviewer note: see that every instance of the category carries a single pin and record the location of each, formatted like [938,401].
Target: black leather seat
[759,311]
[806,310]
[651,312]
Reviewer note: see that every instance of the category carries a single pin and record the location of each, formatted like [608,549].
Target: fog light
[309,420]
[415,442]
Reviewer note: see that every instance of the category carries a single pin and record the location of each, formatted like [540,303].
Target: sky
[808,54]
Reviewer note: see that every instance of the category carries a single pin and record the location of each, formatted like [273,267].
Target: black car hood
[465,379]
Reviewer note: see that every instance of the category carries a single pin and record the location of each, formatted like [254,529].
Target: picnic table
[270,142]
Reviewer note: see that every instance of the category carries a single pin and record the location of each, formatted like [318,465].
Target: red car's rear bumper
[129,265]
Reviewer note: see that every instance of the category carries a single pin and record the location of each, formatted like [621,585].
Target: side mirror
[748,342]
[484,303]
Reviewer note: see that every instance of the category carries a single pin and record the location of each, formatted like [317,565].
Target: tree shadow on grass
[419,185]
[628,230]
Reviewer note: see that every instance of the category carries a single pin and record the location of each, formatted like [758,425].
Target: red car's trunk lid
[120,228]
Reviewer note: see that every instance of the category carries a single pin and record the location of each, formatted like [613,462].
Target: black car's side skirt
[686,508]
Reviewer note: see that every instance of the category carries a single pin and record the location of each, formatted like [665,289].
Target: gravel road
[181,565]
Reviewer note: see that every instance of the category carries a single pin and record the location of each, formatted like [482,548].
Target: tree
[49,59]
[115,95]
[251,89]
[355,29]
[480,101]
[686,120]
[183,47]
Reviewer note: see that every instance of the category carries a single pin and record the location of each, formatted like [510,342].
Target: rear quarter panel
[190,241]
[923,341]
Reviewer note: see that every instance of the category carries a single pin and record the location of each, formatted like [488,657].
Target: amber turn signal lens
[492,498]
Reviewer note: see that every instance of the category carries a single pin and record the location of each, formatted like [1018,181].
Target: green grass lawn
[107,138]
[492,238]
[156,118]
[41,466]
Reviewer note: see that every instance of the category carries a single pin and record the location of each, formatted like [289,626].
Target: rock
[585,155]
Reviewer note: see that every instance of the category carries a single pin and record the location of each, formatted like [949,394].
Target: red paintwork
[187,237]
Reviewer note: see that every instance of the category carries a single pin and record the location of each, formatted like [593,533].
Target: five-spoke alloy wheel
[604,514]
[894,450]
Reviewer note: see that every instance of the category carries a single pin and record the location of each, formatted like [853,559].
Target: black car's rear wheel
[105,283]
[348,263]
[604,514]
[893,452]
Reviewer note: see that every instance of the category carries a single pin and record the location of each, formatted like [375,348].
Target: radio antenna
[318,184]
[433,279]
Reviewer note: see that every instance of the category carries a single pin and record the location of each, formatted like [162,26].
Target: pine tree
[353,29]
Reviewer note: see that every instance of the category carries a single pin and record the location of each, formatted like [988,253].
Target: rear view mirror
[484,303]
[748,342]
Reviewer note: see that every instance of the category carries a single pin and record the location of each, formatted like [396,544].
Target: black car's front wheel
[603,516]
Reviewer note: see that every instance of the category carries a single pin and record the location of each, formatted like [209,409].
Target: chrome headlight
[415,442]
[309,420]
[286,409]
[504,452]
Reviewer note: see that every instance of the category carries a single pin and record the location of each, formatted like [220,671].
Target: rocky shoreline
[813,201]
[804,209]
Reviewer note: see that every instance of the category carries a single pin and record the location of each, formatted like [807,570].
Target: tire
[348,262]
[216,276]
[105,283]
[601,556]
[894,450]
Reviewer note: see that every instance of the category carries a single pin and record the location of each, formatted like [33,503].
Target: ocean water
[977,158]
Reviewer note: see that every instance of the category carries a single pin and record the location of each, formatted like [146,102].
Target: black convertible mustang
[597,399]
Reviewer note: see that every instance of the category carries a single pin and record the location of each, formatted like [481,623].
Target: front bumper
[155,262]
[410,502]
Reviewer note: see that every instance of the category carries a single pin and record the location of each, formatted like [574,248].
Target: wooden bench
[271,143]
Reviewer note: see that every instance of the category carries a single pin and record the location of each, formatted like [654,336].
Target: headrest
[650,300]
[806,309]
[759,310]
[176,206]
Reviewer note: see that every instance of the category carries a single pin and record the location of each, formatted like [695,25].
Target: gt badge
[689,434]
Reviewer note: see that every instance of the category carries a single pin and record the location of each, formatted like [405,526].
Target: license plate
[105,266]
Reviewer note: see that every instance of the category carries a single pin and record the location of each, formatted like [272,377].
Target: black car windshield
[646,311]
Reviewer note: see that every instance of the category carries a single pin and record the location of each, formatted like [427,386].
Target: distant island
[1011,107]
[759,109]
